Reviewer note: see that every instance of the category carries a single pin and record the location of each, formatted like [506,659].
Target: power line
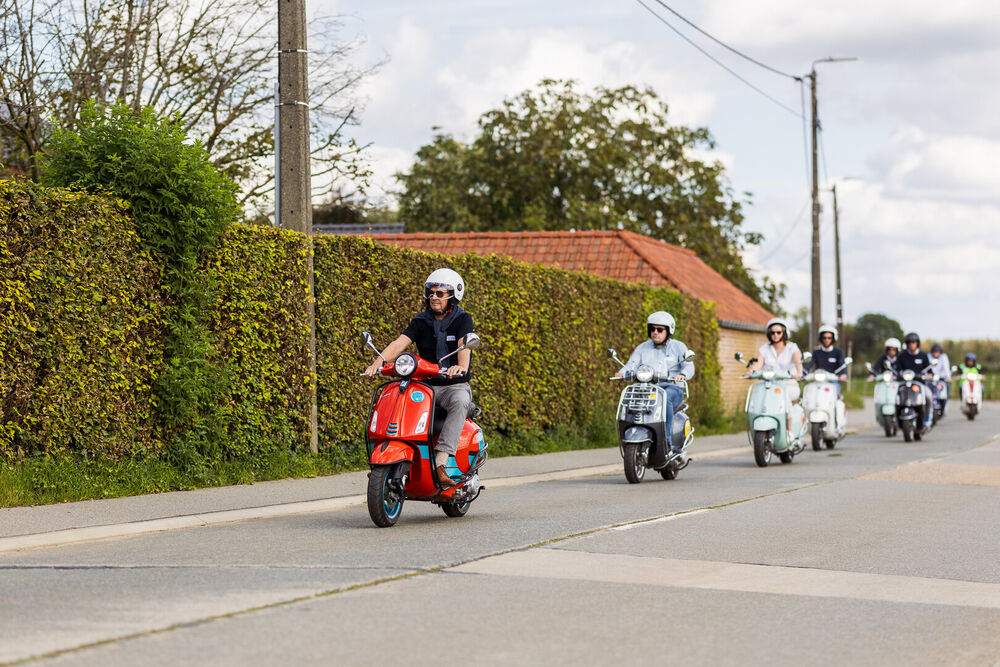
[726,46]
[715,60]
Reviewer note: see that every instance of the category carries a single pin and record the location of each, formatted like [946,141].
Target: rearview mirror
[366,338]
[611,353]
[848,360]
[689,355]
[738,356]
[472,341]
[807,356]
[868,367]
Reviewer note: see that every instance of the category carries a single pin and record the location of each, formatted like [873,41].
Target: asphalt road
[878,552]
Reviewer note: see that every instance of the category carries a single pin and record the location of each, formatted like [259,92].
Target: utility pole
[836,261]
[293,189]
[816,319]
[816,308]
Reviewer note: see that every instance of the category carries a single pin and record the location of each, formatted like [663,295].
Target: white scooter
[824,408]
[886,389]
[972,391]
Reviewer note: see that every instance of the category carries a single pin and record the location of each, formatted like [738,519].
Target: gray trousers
[455,398]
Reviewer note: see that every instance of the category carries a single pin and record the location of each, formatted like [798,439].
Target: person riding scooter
[439,330]
[783,356]
[970,365]
[665,355]
[890,357]
[943,372]
[826,357]
[912,359]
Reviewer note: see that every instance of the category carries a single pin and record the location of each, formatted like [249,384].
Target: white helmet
[661,318]
[772,322]
[448,279]
[826,328]
[893,342]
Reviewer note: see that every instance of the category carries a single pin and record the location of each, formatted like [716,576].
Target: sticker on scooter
[417,396]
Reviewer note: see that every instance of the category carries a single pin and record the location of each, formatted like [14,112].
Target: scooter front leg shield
[388,452]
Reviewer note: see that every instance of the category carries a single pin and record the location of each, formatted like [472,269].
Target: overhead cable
[726,46]
[716,61]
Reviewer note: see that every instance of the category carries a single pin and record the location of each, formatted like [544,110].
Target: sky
[911,131]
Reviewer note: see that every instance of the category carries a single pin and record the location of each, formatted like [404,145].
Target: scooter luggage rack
[639,397]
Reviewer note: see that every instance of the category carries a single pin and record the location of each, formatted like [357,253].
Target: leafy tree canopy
[554,158]
[870,333]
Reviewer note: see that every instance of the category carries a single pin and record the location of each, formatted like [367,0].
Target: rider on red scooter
[439,330]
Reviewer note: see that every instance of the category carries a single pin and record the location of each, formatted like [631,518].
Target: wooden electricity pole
[294,206]
[816,319]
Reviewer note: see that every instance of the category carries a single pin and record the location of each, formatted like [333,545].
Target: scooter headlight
[887,377]
[909,375]
[820,376]
[405,365]
[644,374]
[768,375]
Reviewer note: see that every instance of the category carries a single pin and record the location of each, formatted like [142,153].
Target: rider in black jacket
[912,359]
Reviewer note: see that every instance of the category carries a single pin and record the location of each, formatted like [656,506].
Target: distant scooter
[972,392]
[824,408]
[939,390]
[641,425]
[767,418]
[885,399]
[914,408]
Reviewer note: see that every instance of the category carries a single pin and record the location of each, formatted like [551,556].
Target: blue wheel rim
[391,509]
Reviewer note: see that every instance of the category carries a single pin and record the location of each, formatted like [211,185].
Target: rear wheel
[830,444]
[668,473]
[384,505]
[762,448]
[817,436]
[455,510]
[786,457]
[634,467]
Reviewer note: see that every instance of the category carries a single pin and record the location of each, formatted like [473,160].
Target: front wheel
[634,466]
[907,428]
[972,411]
[817,436]
[761,448]
[384,505]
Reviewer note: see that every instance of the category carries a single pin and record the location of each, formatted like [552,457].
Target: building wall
[732,388]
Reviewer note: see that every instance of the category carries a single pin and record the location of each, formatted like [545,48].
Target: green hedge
[80,317]
[82,330]
[543,364]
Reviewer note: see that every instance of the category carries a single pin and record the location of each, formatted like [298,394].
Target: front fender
[388,452]
[637,434]
[818,417]
[765,424]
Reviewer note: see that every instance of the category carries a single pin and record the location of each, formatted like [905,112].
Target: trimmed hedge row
[83,318]
[545,332]
[82,330]
[80,314]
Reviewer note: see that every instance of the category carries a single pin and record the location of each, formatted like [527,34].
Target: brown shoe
[443,477]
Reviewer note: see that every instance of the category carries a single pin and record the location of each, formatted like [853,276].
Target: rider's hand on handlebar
[454,371]
[679,378]
[374,368]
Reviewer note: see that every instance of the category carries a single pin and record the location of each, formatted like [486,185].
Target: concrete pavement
[70,523]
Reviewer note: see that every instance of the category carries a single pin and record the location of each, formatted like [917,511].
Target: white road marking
[547,563]
[649,522]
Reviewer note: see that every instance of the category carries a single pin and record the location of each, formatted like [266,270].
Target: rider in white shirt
[783,356]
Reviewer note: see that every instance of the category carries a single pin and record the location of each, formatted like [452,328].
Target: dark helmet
[970,356]
[936,347]
[910,337]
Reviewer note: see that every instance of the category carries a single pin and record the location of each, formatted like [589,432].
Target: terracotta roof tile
[621,255]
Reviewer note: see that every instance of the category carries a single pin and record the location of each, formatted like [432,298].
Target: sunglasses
[439,293]
[657,329]
[775,332]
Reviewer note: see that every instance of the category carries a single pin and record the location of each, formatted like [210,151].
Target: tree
[210,63]
[870,334]
[554,158]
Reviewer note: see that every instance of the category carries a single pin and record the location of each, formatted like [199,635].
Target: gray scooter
[642,425]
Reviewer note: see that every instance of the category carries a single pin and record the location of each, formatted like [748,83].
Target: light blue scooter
[767,418]
[885,399]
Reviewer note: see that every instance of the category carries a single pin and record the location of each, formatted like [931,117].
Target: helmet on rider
[661,318]
[893,342]
[776,321]
[970,356]
[936,347]
[446,279]
[827,329]
[911,337]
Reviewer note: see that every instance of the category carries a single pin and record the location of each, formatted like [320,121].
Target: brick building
[628,257]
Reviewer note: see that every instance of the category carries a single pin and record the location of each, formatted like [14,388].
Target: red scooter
[403,428]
